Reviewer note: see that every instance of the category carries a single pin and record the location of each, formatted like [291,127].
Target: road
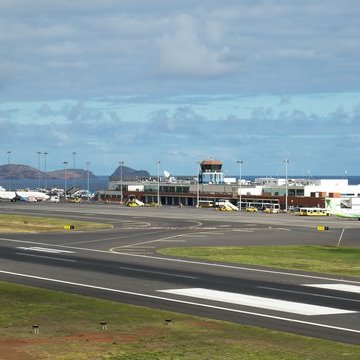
[122,264]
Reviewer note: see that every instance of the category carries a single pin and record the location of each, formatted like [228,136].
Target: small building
[210,172]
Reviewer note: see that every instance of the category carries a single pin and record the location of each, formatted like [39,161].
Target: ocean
[101,182]
[98,183]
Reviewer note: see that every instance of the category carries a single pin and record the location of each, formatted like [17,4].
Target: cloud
[186,53]
[80,49]
[180,135]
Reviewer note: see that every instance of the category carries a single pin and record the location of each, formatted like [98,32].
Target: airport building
[210,186]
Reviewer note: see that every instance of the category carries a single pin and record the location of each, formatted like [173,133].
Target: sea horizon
[101,182]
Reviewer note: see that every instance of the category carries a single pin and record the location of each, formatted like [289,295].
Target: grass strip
[70,329]
[33,224]
[323,259]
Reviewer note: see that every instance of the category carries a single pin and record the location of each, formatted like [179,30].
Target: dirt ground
[32,348]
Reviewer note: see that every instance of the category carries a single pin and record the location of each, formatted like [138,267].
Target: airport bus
[312,212]
[271,207]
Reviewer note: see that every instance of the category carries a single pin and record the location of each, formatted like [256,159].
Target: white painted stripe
[257,301]
[177,260]
[338,287]
[46,257]
[294,321]
[158,272]
[308,293]
[55,251]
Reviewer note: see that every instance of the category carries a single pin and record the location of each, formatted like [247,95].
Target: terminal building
[210,185]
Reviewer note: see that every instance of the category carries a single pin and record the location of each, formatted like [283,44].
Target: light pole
[45,155]
[74,154]
[121,181]
[286,161]
[198,185]
[88,180]
[158,181]
[8,153]
[38,154]
[65,164]
[240,162]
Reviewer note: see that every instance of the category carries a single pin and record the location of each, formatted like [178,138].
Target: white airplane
[32,196]
[333,206]
[7,195]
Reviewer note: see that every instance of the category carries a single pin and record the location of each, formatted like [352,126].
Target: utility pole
[121,181]
[286,161]
[240,162]
[158,181]
[74,154]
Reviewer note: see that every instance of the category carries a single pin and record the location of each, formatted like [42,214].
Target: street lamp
[8,153]
[286,161]
[88,180]
[121,181]
[240,162]
[65,164]
[158,181]
[198,185]
[74,154]
[38,154]
[45,155]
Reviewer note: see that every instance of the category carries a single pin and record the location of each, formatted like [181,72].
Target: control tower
[210,172]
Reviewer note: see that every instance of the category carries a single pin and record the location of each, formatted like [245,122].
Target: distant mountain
[15,171]
[18,172]
[70,174]
[128,173]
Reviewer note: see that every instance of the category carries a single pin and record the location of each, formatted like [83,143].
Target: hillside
[17,171]
[128,173]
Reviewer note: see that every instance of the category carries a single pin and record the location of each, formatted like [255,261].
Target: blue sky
[181,81]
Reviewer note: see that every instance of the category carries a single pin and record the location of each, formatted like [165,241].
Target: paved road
[122,264]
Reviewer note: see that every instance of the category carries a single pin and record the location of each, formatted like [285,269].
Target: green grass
[70,329]
[33,224]
[323,259]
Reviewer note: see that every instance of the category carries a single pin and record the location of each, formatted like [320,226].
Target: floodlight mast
[158,181]
[121,181]
[240,163]
[286,162]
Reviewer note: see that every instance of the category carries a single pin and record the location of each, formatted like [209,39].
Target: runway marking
[45,257]
[149,242]
[138,249]
[148,296]
[182,241]
[195,236]
[47,250]
[307,293]
[108,238]
[339,287]
[158,272]
[142,247]
[184,261]
[257,301]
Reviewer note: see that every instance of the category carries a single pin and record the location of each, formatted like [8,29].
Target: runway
[122,264]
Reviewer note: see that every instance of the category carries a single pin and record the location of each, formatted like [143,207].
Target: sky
[181,81]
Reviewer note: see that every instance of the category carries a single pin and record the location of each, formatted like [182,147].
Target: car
[251,209]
